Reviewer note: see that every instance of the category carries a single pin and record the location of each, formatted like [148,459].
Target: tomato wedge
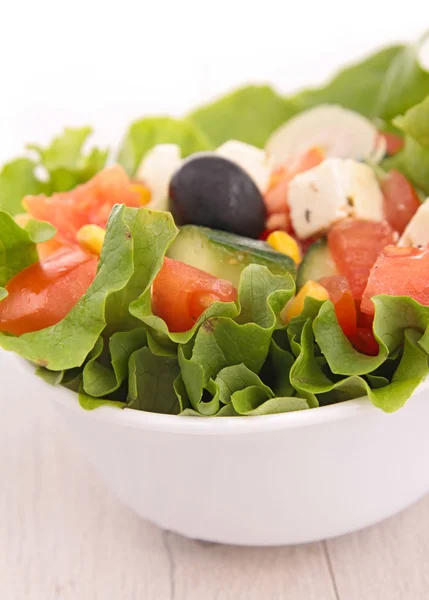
[181,293]
[342,298]
[365,342]
[276,195]
[89,203]
[355,245]
[398,272]
[42,294]
[401,201]
[394,142]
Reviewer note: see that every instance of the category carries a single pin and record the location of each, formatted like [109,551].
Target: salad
[262,255]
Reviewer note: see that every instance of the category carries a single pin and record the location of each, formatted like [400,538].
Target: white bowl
[268,480]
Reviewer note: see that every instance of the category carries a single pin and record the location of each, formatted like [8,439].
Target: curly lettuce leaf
[18,245]
[253,402]
[151,233]
[249,114]
[107,367]
[67,344]
[87,402]
[143,135]
[151,382]
[65,162]
[222,342]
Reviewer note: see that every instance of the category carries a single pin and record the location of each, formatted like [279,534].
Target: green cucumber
[224,254]
[317,263]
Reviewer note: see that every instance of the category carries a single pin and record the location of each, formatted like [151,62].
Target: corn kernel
[295,306]
[284,243]
[91,237]
[143,191]
[22,219]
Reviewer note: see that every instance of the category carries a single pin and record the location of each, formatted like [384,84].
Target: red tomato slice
[394,142]
[181,293]
[401,201]
[42,294]
[398,272]
[342,298]
[89,203]
[355,245]
[365,342]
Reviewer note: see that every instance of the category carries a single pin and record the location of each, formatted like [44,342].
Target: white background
[104,63]
[63,536]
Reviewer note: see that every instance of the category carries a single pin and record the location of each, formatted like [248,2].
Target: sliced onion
[156,170]
[341,133]
[251,159]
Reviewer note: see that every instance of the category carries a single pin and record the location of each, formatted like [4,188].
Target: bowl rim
[159,422]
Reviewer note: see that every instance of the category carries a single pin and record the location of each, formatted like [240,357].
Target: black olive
[215,192]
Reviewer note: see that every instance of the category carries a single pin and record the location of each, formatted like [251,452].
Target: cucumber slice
[224,254]
[317,263]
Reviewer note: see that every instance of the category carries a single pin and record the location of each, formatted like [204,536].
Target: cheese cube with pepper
[332,191]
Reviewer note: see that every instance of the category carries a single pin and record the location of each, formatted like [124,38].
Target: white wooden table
[63,536]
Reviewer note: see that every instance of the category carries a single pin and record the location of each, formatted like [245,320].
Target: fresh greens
[18,245]
[146,133]
[18,179]
[249,114]
[413,160]
[238,358]
[63,165]
[356,87]
[67,344]
[404,84]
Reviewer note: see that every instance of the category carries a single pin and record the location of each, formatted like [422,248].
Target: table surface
[64,536]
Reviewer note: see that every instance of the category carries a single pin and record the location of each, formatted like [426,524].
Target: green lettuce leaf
[67,344]
[413,162]
[356,87]
[222,342]
[252,402]
[248,114]
[405,83]
[147,133]
[65,162]
[107,369]
[89,403]
[18,245]
[18,179]
[151,382]
[415,122]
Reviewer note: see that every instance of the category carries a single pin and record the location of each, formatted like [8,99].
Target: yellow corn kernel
[295,306]
[91,237]
[143,191]
[22,219]
[284,243]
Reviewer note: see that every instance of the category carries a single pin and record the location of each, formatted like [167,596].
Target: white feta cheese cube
[251,159]
[332,191]
[317,198]
[362,191]
[156,170]
[417,231]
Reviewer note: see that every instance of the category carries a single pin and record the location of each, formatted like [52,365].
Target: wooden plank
[389,561]
[63,535]
[216,572]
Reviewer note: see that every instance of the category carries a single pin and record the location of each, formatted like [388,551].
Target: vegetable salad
[261,255]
